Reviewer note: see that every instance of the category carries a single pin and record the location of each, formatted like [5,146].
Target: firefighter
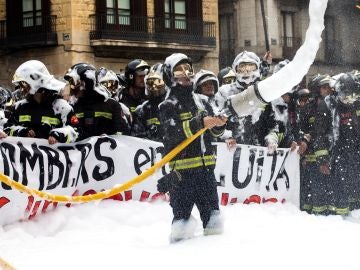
[43,113]
[134,93]
[346,160]
[146,116]
[108,79]
[97,113]
[226,76]
[316,166]
[192,180]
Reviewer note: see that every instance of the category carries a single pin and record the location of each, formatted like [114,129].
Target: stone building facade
[105,33]
[287,22]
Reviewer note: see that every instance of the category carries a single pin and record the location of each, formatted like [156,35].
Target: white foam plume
[291,75]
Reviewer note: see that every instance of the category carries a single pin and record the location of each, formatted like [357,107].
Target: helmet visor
[24,87]
[348,98]
[111,85]
[228,80]
[246,68]
[73,84]
[183,70]
[155,86]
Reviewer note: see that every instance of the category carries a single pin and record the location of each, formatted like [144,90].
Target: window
[288,28]
[118,12]
[31,13]
[333,48]
[175,14]
[227,39]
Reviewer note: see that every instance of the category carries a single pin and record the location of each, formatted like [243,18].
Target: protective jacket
[130,101]
[52,117]
[317,189]
[146,121]
[182,116]
[97,116]
[346,158]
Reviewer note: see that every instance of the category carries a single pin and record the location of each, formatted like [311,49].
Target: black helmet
[132,67]
[347,88]
[319,80]
[82,76]
[78,73]
[302,93]
[226,76]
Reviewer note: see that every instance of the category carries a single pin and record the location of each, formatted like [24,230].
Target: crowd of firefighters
[168,102]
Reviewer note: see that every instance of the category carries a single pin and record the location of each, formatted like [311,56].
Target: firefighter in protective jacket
[43,113]
[182,114]
[96,111]
[146,116]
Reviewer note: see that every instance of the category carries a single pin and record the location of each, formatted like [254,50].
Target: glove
[271,143]
[230,143]
[293,146]
[324,168]
[169,182]
[271,148]
[302,147]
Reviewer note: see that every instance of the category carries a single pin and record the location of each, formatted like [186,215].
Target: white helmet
[247,67]
[171,62]
[36,75]
[204,76]
[106,75]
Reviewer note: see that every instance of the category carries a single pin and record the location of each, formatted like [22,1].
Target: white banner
[249,174]
[246,174]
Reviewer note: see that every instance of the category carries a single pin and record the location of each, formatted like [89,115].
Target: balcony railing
[165,30]
[290,46]
[29,32]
